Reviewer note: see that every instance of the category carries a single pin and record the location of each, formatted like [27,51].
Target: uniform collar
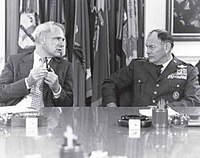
[166,64]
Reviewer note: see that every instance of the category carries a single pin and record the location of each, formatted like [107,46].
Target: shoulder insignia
[182,66]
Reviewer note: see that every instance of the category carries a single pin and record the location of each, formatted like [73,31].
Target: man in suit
[21,71]
[177,84]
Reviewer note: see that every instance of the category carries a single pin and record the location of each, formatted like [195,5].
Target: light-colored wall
[155,17]
[2,33]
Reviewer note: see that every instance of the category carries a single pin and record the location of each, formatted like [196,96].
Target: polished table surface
[97,129]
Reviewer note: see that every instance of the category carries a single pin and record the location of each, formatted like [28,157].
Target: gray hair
[45,28]
[164,36]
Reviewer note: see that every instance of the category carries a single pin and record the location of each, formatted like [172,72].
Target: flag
[120,12]
[81,57]
[53,10]
[130,31]
[29,19]
[101,50]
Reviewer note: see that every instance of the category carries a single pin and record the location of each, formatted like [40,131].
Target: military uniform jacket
[178,84]
[13,87]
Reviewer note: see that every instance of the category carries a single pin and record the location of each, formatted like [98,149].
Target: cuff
[26,82]
[57,95]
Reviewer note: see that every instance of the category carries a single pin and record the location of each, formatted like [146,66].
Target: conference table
[98,129]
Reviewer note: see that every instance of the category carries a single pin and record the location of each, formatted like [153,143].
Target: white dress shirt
[166,64]
[26,102]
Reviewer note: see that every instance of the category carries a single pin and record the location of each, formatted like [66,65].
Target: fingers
[38,73]
[51,70]
[112,104]
[51,78]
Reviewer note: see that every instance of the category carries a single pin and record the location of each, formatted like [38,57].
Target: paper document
[148,112]
[16,109]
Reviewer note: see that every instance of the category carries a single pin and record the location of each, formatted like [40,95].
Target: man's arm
[114,83]
[191,92]
[11,87]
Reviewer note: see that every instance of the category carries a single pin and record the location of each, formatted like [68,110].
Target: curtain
[12,26]
[101,49]
[81,56]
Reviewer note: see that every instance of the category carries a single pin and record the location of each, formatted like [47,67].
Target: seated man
[198,66]
[176,82]
[23,71]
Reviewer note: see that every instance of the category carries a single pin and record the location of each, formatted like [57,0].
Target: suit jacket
[178,84]
[17,68]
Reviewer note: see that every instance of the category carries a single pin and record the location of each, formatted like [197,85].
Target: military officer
[198,66]
[175,81]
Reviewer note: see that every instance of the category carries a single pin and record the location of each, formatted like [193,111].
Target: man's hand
[35,75]
[111,104]
[52,80]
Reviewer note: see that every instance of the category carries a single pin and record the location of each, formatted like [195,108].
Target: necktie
[158,69]
[37,93]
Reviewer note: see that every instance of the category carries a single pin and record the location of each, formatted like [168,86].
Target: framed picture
[183,19]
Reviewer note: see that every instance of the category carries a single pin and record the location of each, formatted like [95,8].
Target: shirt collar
[166,64]
[36,59]
[36,56]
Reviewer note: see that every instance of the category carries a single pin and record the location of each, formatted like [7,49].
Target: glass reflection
[156,143]
[52,116]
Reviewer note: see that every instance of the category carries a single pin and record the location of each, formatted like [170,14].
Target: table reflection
[98,129]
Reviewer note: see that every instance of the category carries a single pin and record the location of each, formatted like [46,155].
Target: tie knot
[158,69]
[159,66]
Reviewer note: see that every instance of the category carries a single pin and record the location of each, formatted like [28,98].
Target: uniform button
[155,92]
[157,85]
[177,85]
[153,101]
